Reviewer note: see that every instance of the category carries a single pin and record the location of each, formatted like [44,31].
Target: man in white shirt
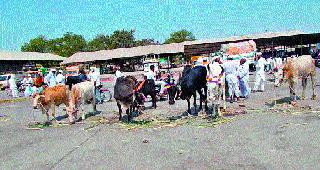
[260,74]
[230,69]
[243,75]
[151,75]
[60,78]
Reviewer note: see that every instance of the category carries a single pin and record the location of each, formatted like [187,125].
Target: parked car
[4,81]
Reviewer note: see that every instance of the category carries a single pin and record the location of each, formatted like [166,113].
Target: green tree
[180,36]
[38,44]
[100,42]
[67,45]
[145,42]
[122,39]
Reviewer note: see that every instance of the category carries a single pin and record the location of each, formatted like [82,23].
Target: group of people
[53,78]
[237,76]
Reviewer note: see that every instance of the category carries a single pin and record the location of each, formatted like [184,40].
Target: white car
[4,81]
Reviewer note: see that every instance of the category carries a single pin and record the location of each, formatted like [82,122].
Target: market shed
[14,61]
[263,40]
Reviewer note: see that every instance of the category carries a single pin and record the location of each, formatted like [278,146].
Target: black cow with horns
[194,80]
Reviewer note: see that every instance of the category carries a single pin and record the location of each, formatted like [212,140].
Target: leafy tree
[122,39]
[180,36]
[38,44]
[100,42]
[67,45]
[145,42]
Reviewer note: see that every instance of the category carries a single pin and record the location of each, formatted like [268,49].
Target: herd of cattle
[131,98]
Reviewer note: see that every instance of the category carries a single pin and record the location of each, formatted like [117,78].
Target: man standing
[230,69]
[243,75]
[95,77]
[260,74]
[151,75]
[13,86]
[60,78]
[28,88]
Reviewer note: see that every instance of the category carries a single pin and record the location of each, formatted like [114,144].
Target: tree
[122,39]
[67,45]
[38,44]
[100,42]
[180,36]
[145,42]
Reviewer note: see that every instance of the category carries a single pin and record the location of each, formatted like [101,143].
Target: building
[15,61]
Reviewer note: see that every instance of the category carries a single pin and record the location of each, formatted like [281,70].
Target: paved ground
[260,139]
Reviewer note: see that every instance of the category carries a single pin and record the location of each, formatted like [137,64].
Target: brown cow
[51,97]
[301,67]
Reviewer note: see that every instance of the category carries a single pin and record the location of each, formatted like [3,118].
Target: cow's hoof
[313,97]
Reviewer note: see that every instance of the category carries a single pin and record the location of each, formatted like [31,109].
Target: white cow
[81,94]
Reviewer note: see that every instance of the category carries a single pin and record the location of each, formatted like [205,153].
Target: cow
[124,93]
[147,87]
[194,80]
[301,67]
[172,89]
[81,93]
[72,80]
[51,97]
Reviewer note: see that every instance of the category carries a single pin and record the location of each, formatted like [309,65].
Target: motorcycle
[105,95]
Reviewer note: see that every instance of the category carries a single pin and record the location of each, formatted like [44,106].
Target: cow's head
[139,98]
[278,77]
[36,100]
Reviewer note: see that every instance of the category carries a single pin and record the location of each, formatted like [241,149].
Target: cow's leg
[120,111]
[94,103]
[201,99]
[195,101]
[53,109]
[154,100]
[313,82]
[129,114]
[205,98]
[189,110]
[292,91]
[304,86]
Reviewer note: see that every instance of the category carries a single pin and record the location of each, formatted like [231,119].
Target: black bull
[194,80]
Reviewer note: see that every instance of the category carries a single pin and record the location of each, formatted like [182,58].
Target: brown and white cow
[296,68]
[51,97]
[81,93]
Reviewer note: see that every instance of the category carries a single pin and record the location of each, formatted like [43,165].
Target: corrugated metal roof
[29,56]
[165,48]
[125,52]
[246,37]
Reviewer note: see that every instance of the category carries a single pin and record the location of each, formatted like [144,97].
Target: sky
[22,20]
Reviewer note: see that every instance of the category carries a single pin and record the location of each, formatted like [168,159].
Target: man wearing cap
[60,78]
[243,75]
[260,74]
[28,82]
[230,68]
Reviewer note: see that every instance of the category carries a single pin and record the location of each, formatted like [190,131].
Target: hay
[13,100]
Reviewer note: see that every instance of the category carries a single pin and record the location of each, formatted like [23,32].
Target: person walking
[13,86]
[260,74]
[243,75]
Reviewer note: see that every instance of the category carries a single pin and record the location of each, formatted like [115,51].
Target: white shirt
[150,75]
[60,79]
[260,66]
[118,74]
